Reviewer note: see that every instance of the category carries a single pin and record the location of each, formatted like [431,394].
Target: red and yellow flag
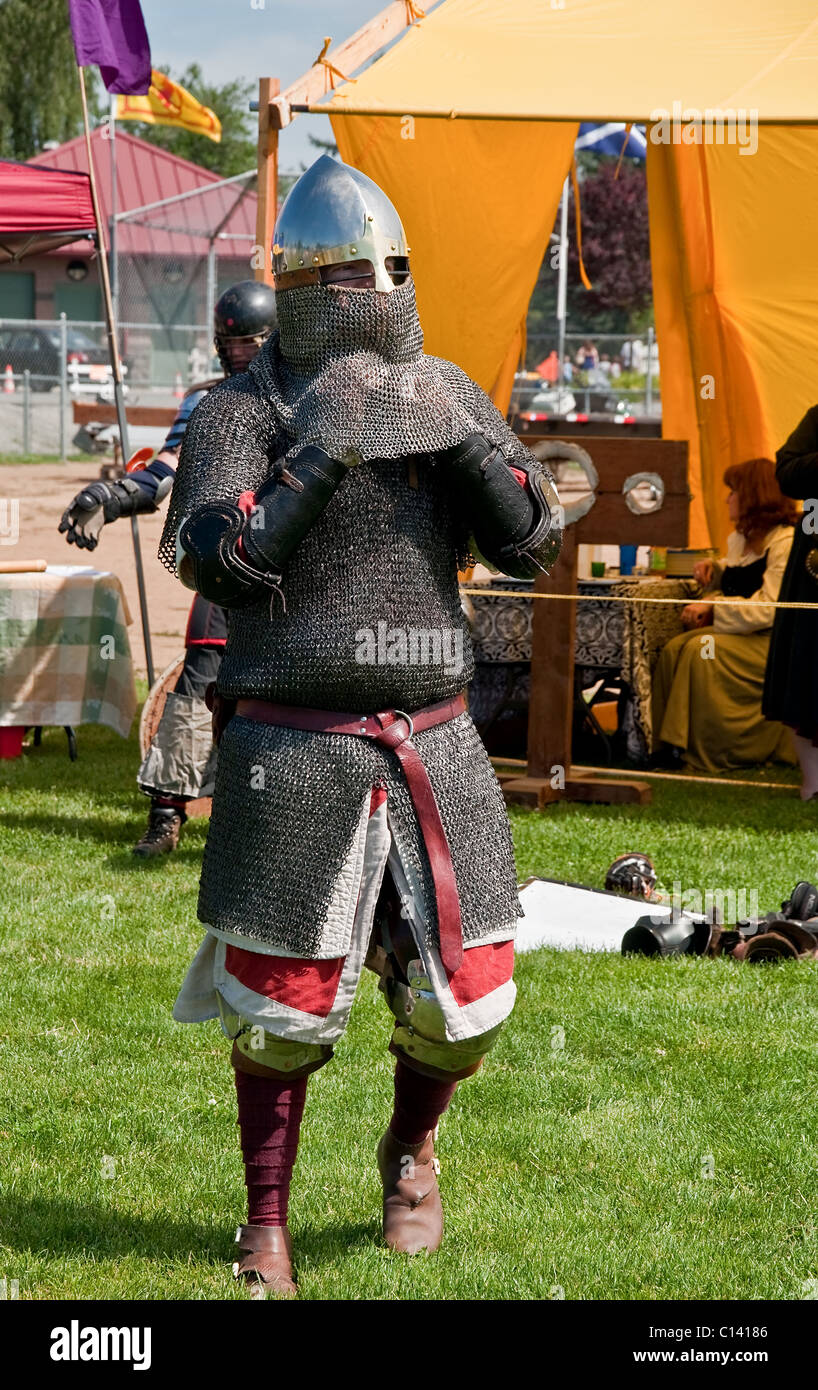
[169,104]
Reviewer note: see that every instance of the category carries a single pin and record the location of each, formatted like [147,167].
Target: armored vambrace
[231,558]
[511,507]
[100,503]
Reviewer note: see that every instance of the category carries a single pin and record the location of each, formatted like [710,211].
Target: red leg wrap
[269,1124]
[419,1103]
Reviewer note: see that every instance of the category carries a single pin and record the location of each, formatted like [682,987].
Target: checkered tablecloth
[64,651]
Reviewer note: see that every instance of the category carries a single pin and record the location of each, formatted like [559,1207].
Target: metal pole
[112,215]
[649,377]
[210,298]
[63,384]
[116,366]
[562,285]
[26,412]
[130,214]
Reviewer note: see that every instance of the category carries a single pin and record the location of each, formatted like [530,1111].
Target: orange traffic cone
[8,380]
[179,390]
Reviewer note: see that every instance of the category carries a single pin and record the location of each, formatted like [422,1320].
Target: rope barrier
[635,598]
[636,774]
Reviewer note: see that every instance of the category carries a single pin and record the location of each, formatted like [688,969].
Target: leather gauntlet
[512,507]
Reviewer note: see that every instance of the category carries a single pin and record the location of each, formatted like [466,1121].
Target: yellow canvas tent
[469,121]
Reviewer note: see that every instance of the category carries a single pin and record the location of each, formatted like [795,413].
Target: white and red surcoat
[309,1000]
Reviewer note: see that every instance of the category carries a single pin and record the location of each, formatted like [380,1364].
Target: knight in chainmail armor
[326,497]
[180,762]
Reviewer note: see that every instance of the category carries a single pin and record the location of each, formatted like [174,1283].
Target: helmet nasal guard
[335,215]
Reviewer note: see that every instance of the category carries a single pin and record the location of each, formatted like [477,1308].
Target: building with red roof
[172,260]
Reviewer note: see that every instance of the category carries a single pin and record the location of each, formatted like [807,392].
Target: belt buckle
[408,719]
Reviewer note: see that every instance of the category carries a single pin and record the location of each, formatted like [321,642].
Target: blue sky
[230,38]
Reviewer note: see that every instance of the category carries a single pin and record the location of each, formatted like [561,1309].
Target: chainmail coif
[346,369]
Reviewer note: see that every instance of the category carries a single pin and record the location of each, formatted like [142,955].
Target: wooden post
[549,776]
[553,633]
[267,207]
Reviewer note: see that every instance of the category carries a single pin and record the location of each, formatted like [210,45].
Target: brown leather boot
[412,1210]
[162,834]
[265,1262]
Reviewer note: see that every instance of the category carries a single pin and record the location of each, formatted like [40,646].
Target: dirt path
[43,491]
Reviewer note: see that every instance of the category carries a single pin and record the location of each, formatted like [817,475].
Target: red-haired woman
[709,681]
[791,689]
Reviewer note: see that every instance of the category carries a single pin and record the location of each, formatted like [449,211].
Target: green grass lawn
[575,1170]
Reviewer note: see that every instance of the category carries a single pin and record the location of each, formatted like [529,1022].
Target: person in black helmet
[179,766]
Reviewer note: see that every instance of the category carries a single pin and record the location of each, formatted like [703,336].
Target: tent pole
[562,285]
[119,399]
[210,299]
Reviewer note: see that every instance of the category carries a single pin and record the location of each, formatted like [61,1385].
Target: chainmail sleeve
[230,446]
[488,418]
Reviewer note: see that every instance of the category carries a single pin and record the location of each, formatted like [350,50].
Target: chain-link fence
[170,261]
[48,364]
[39,367]
[611,375]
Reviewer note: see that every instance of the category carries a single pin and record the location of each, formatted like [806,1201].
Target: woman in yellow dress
[709,680]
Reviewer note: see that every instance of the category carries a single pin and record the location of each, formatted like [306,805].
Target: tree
[236,152]
[39,88]
[616,252]
[615,239]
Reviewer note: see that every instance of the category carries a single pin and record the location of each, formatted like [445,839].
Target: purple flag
[112,34]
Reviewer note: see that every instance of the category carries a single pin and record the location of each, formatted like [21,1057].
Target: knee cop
[419,1038]
[261,1053]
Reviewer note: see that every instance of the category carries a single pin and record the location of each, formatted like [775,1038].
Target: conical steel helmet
[332,215]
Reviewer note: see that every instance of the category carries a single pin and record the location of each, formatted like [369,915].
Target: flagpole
[119,399]
[112,217]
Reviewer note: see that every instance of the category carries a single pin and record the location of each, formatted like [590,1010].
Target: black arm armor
[515,527]
[134,499]
[235,559]
[287,507]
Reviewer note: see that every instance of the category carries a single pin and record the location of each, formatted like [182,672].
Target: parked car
[37,350]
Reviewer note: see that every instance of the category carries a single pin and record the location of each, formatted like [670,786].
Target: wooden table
[65,658]
[610,639]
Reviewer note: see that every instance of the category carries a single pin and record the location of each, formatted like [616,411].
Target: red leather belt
[394,729]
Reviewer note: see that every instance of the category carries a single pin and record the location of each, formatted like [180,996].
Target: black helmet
[246,310]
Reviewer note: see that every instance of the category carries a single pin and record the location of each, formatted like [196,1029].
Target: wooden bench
[88,413]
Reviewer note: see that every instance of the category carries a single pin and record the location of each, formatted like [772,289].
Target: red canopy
[41,208]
